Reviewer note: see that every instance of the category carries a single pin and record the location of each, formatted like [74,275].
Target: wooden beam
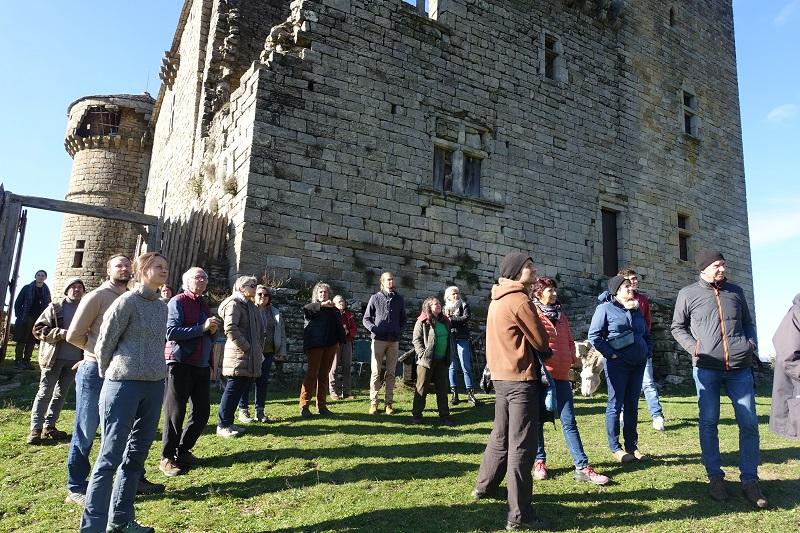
[76,208]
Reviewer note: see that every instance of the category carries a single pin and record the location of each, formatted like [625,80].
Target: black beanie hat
[705,257]
[512,265]
[615,283]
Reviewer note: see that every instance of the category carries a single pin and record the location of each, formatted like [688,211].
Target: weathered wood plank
[76,208]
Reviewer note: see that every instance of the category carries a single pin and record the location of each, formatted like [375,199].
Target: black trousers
[438,372]
[26,342]
[185,383]
[512,446]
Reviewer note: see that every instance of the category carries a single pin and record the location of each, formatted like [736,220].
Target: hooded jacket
[513,331]
[242,325]
[612,320]
[785,417]
[424,340]
[713,323]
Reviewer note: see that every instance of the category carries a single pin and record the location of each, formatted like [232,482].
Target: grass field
[357,472]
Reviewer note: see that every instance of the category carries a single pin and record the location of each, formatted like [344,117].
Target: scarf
[553,312]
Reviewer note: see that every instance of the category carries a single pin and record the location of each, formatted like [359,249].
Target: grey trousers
[54,385]
[344,360]
[512,446]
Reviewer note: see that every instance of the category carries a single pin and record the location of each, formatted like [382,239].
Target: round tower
[109,140]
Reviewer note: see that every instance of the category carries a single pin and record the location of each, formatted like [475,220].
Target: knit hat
[615,283]
[512,265]
[705,257]
[73,281]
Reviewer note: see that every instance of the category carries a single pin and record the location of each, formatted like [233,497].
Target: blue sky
[99,47]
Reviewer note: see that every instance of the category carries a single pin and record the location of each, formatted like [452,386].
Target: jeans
[381,349]
[185,383]
[509,452]
[438,372]
[465,360]
[261,385]
[624,382]
[566,413]
[650,391]
[88,384]
[234,388]
[130,411]
[740,389]
[54,385]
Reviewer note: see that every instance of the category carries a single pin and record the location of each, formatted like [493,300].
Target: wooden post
[23,219]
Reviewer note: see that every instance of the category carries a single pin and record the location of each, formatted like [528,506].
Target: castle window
[472,175]
[610,243]
[690,118]
[77,257]
[458,157]
[552,66]
[672,16]
[99,121]
[442,169]
[683,236]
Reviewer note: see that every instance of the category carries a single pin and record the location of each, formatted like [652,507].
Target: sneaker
[335,397]
[325,412]
[639,456]
[373,408]
[539,470]
[305,412]
[717,490]
[454,399]
[77,498]
[535,524]
[169,468]
[146,487]
[185,459]
[658,423]
[622,456]
[55,434]
[262,418]
[471,399]
[588,474]
[131,527]
[754,495]
[389,409]
[227,433]
[244,416]
[35,437]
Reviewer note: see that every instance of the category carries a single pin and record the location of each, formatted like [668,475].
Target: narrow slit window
[551,56]
[472,176]
[690,114]
[610,243]
[683,237]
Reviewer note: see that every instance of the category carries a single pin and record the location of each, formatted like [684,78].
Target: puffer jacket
[322,326]
[612,320]
[785,417]
[563,346]
[242,325]
[424,340]
[713,323]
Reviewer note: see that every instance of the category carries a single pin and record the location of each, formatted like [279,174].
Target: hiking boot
[131,527]
[244,416]
[622,456]
[169,468]
[324,411]
[754,495]
[588,474]
[534,524]
[35,437]
[77,498]
[145,487]
[55,434]
[373,408]
[305,412]
[471,399]
[227,433]
[454,400]
[539,470]
[261,417]
[658,423]
[389,409]
[185,459]
[638,455]
[717,489]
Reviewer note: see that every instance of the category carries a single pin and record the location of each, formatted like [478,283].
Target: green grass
[356,472]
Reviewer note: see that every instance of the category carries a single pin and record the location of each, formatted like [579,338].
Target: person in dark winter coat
[434,347]
[32,300]
[785,417]
[456,309]
[619,332]
[322,335]
[712,322]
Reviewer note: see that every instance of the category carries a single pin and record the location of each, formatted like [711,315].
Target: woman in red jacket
[545,297]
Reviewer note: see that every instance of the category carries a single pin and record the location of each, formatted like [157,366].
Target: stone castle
[335,139]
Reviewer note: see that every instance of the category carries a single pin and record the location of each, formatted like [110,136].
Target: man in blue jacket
[32,300]
[713,323]
[384,318]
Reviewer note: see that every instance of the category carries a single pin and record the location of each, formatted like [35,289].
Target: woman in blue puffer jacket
[619,332]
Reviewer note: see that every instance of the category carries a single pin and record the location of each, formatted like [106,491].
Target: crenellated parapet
[169,68]
[109,122]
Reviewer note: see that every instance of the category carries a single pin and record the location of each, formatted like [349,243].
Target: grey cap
[72,281]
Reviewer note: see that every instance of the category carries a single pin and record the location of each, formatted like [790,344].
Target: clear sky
[90,47]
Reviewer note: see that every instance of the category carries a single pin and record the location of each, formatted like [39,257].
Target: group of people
[135,354]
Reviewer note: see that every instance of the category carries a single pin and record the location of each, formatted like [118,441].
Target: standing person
[273,344]
[344,357]
[545,297]
[514,333]
[322,335]
[166,293]
[31,301]
[56,358]
[384,318]
[130,356]
[713,323]
[83,332]
[190,335]
[242,358]
[457,312]
[618,331]
[785,417]
[434,346]
[648,382]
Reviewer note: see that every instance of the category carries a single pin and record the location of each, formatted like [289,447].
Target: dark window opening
[77,259]
[683,247]
[610,243]
[80,245]
[99,121]
[550,56]
[311,86]
[472,176]
[689,113]
[442,169]
[688,100]
[394,109]
[683,221]
[672,16]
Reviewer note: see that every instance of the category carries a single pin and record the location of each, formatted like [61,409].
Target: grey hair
[449,290]
[339,297]
[241,281]
[188,275]
[318,286]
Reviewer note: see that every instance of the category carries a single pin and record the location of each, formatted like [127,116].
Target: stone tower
[109,140]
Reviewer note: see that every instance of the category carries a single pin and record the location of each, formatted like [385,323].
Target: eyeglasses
[250,285]
[262,294]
